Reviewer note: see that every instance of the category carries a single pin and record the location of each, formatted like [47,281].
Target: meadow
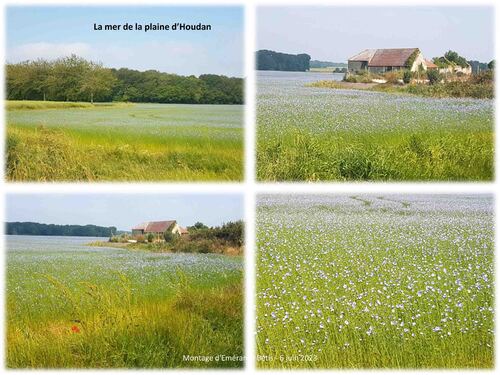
[59,141]
[375,281]
[319,134]
[74,306]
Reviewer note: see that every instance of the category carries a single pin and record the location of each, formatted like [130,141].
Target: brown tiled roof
[391,57]
[430,64]
[158,226]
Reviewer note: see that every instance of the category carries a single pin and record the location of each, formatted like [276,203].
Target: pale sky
[124,210]
[55,31]
[336,33]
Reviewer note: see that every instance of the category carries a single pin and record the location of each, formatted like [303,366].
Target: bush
[350,78]
[150,237]
[393,77]
[168,236]
[433,76]
[407,76]
[141,239]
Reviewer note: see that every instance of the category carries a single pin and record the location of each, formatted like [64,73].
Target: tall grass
[111,308]
[297,155]
[151,142]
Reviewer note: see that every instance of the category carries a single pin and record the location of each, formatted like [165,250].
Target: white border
[249,187]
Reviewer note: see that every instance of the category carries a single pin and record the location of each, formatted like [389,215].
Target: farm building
[158,228]
[386,60]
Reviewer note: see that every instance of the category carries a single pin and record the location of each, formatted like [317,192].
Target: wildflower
[75,329]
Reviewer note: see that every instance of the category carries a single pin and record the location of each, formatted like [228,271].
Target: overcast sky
[124,210]
[336,33]
[54,31]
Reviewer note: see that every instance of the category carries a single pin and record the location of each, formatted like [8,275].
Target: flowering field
[372,281]
[74,306]
[310,133]
[120,142]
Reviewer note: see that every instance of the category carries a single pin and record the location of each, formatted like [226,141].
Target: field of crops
[309,133]
[375,281]
[70,305]
[136,142]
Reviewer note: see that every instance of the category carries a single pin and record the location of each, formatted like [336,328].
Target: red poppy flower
[75,329]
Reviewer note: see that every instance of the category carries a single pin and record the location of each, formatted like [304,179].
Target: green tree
[491,65]
[433,76]
[407,76]
[97,81]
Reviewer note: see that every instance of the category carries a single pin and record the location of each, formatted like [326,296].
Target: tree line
[271,60]
[38,229]
[76,79]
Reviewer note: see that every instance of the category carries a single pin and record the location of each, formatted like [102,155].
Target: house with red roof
[389,59]
[158,228]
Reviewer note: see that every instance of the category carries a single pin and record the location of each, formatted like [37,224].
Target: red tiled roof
[158,226]
[391,57]
[430,64]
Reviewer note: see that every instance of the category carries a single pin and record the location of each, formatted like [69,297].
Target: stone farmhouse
[388,59]
[158,228]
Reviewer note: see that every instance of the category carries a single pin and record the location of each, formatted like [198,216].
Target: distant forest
[271,60]
[326,64]
[76,79]
[37,229]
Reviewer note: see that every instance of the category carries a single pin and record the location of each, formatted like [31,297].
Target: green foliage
[197,225]
[411,59]
[168,236]
[270,60]
[76,79]
[407,76]
[433,76]
[455,58]
[231,232]
[491,65]
[38,229]
[150,237]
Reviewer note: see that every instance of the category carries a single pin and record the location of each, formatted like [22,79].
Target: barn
[387,59]
[157,228]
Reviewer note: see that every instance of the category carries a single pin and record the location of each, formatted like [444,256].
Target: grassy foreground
[375,282]
[319,134]
[108,308]
[143,142]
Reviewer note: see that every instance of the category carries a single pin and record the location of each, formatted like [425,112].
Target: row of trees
[76,79]
[271,60]
[38,229]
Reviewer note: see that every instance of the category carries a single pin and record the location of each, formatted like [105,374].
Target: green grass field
[375,281]
[51,141]
[74,306]
[320,134]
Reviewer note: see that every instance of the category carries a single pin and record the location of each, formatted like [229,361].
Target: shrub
[140,239]
[407,76]
[168,236]
[350,78]
[433,76]
[150,237]
[393,77]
